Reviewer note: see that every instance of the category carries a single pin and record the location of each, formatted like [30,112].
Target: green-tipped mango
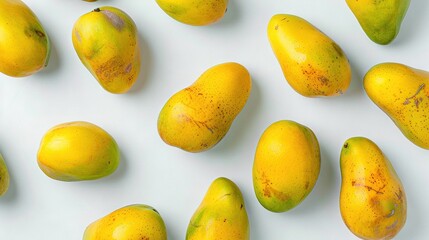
[4,177]
[106,41]
[373,204]
[77,151]
[221,215]
[24,44]
[402,92]
[133,222]
[194,12]
[381,19]
[312,63]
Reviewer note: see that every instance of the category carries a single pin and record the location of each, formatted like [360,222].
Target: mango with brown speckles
[136,221]
[106,41]
[4,177]
[286,165]
[196,118]
[221,215]
[195,12]
[312,63]
[372,199]
[402,92]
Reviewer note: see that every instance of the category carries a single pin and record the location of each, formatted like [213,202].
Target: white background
[171,180]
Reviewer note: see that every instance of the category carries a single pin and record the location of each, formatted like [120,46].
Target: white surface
[171,180]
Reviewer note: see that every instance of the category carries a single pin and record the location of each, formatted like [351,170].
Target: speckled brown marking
[307,184]
[324,80]
[416,100]
[269,191]
[111,69]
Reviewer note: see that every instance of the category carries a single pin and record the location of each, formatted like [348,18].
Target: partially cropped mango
[312,63]
[4,177]
[381,20]
[76,151]
[133,222]
[196,118]
[402,92]
[194,12]
[286,165]
[221,215]
[24,44]
[106,41]
[372,199]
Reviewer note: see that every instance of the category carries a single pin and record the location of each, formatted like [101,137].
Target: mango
[194,12]
[402,92]
[106,42]
[381,20]
[312,63]
[196,118]
[372,199]
[4,177]
[221,215]
[77,151]
[24,44]
[286,165]
[131,222]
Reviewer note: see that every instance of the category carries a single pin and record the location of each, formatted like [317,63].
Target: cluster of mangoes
[287,158]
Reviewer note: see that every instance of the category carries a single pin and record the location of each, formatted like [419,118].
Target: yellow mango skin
[106,41]
[221,215]
[133,222]
[402,93]
[286,165]
[372,199]
[194,12]
[24,44]
[312,63]
[76,151]
[196,118]
[4,177]
[381,20]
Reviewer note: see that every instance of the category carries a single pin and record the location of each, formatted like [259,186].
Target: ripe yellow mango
[221,215]
[194,12]
[196,118]
[372,199]
[106,42]
[4,177]
[312,63]
[402,92]
[24,44]
[76,151]
[380,20]
[131,222]
[286,165]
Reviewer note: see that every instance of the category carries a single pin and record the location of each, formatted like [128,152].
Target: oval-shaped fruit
[312,63]
[131,222]
[77,151]
[194,12]
[221,215]
[380,20]
[372,200]
[196,118]
[4,177]
[286,165]
[106,41]
[24,44]
[402,92]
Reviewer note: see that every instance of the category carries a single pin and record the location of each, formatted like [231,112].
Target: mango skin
[131,222]
[196,118]
[4,177]
[286,165]
[106,42]
[221,215]
[381,20]
[402,92]
[312,63]
[77,151]
[373,204]
[24,44]
[194,12]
